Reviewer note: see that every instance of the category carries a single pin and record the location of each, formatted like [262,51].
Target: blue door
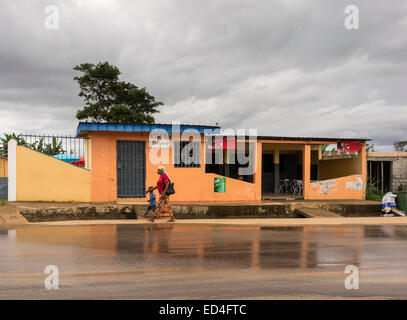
[3,188]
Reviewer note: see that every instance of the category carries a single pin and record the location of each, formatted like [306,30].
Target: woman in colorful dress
[164,206]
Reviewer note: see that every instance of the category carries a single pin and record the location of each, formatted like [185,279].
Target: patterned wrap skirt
[163,208]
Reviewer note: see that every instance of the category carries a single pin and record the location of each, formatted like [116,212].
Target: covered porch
[299,169]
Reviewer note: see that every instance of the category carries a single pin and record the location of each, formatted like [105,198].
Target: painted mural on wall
[325,187]
[357,186]
[349,187]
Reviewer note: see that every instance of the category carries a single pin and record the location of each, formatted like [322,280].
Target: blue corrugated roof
[140,127]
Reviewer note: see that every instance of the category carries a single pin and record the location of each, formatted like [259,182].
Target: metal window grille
[194,153]
[131,169]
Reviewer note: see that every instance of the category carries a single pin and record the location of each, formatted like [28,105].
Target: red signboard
[223,143]
[348,146]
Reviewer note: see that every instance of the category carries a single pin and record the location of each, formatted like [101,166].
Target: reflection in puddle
[172,246]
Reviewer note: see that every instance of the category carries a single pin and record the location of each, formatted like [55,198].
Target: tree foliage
[370,147]
[400,146]
[372,191]
[107,99]
[7,137]
[54,148]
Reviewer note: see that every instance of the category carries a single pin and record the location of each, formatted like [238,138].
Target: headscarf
[162,169]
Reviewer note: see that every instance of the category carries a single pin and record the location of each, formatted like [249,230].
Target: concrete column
[258,168]
[88,154]
[226,161]
[320,156]
[363,160]
[306,170]
[277,171]
[12,170]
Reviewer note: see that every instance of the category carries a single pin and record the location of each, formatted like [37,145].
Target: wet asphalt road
[170,261]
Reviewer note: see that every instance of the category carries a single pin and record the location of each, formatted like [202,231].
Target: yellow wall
[341,178]
[3,168]
[44,178]
[191,184]
[329,169]
[350,187]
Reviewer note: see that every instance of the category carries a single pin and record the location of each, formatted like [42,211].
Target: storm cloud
[283,67]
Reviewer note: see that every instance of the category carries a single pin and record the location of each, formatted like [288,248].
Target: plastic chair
[299,187]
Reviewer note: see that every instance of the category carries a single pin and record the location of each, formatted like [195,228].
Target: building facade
[388,170]
[121,162]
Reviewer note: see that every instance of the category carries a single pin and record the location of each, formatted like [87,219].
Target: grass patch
[3,201]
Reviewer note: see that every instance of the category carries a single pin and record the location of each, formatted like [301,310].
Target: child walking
[152,205]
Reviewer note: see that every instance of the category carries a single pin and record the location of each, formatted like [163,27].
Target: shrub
[372,192]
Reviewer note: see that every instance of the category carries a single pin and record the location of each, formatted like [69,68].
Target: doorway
[131,169]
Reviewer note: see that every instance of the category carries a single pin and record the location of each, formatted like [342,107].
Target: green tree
[54,148]
[370,147]
[400,146]
[107,99]
[324,148]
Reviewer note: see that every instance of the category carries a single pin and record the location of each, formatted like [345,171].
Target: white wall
[12,170]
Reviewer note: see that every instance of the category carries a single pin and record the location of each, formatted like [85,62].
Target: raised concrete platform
[40,211]
[52,211]
[279,209]
[10,217]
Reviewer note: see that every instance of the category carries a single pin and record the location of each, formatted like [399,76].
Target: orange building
[209,167]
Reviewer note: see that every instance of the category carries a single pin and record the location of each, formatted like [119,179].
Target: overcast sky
[283,67]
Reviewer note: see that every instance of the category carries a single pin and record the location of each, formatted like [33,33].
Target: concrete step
[282,197]
[10,217]
[315,212]
[56,212]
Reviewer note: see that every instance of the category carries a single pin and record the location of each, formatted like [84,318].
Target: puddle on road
[172,246]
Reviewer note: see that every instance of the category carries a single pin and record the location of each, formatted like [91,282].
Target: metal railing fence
[67,148]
